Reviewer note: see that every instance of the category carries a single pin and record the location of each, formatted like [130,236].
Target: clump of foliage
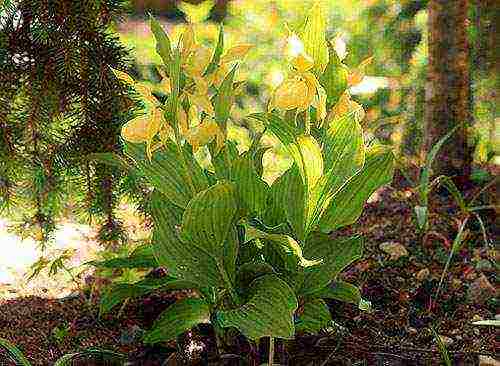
[259,256]
[58,105]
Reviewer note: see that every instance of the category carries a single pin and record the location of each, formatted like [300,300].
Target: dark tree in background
[59,102]
[448,95]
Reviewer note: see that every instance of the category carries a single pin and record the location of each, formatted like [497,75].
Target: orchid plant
[259,256]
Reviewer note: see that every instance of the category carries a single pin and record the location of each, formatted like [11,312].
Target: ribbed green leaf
[210,216]
[184,260]
[344,152]
[163,47]
[250,271]
[141,257]
[165,174]
[224,99]
[314,37]
[347,204]
[288,200]
[336,255]
[223,161]
[268,312]
[313,317]
[251,189]
[285,244]
[334,79]
[341,291]
[14,353]
[177,319]
[117,293]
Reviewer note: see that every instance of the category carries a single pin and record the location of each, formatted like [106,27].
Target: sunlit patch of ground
[17,256]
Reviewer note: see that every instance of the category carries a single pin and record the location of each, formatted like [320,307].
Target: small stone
[423,274]
[488,361]
[497,316]
[477,318]
[481,290]
[412,331]
[394,249]
[447,341]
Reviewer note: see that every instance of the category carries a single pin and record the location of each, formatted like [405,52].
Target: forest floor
[399,275]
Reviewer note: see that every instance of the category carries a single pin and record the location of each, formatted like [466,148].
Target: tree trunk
[448,96]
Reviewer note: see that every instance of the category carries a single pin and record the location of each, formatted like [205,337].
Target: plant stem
[271,351]
[308,123]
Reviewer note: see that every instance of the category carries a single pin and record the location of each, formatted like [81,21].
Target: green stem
[227,283]
[271,351]
[308,123]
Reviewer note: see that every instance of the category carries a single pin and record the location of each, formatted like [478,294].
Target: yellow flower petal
[219,75]
[141,129]
[202,134]
[202,102]
[235,53]
[182,120]
[312,87]
[302,63]
[198,61]
[290,94]
[146,93]
[123,76]
[188,41]
[357,75]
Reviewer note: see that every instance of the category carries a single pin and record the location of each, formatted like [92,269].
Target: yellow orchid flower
[346,105]
[235,53]
[300,90]
[204,133]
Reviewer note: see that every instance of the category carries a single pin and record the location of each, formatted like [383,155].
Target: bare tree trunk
[448,96]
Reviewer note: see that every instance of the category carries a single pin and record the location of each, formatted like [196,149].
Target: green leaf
[163,46]
[184,260]
[117,293]
[248,272]
[164,173]
[421,215]
[210,216]
[314,37]
[336,255]
[334,79]
[223,161]
[267,313]
[142,257]
[252,191]
[424,186]
[285,244]
[454,191]
[490,323]
[13,353]
[223,100]
[314,316]
[177,319]
[341,291]
[288,198]
[219,48]
[344,152]
[347,204]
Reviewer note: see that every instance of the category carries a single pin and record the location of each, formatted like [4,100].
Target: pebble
[412,331]
[488,361]
[394,249]
[477,318]
[423,274]
[497,316]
